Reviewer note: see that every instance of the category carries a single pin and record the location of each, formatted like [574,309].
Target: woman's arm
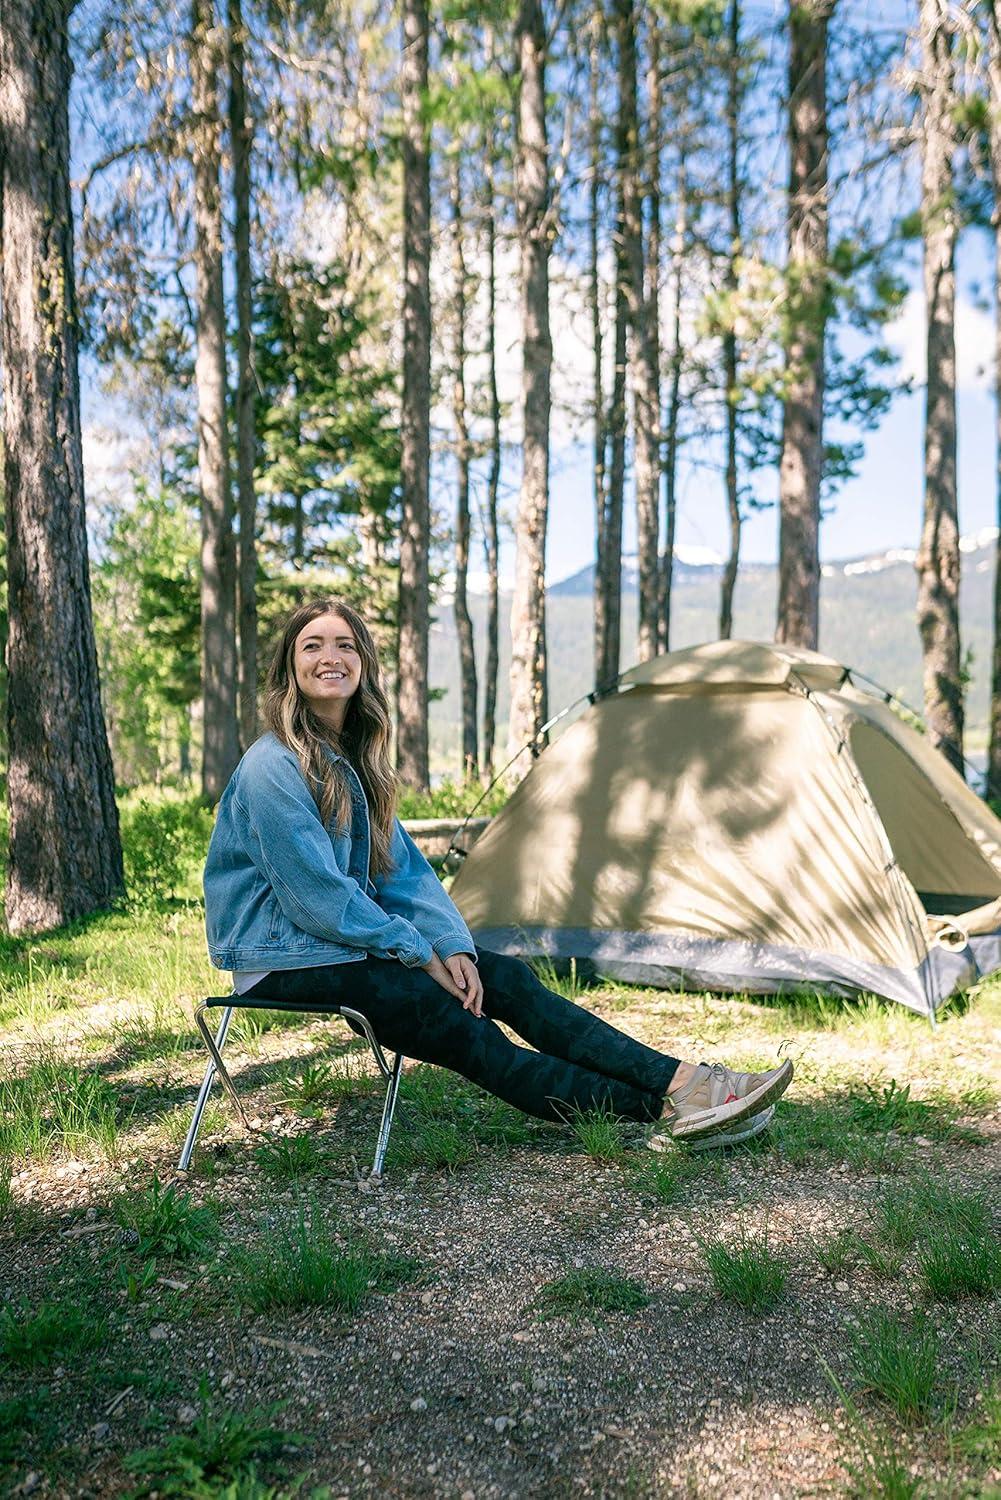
[292,849]
[414,892]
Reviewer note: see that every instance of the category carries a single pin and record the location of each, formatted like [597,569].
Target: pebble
[418,1404]
[842,1286]
[159,1332]
[679,1286]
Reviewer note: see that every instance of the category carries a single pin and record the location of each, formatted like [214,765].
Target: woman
[314,890]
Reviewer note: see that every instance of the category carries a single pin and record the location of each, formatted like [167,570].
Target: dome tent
[739,816]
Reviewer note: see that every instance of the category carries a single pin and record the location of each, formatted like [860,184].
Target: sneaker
[717,1097]
[744,1130]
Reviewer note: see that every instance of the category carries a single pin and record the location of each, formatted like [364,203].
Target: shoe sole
[735,1135]
[712,1121]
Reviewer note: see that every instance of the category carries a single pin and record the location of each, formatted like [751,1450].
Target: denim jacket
[283,891]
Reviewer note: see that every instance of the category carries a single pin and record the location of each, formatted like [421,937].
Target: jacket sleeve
[292,849]
[414,892]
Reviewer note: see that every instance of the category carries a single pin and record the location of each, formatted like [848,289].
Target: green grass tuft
[290,1159]
[837,1252]
[955,1262]
[216,1456]
[305,1267]
[598,1133]
[589,1291]
[54,1329]
[897,1362]
[166,1221]
[746,1271]
[665,1175]
[55,1104]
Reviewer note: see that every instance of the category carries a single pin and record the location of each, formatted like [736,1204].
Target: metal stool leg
[391,1073]
[215,1047]
[386,1123]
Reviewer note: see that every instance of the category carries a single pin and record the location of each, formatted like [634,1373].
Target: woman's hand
[460,976]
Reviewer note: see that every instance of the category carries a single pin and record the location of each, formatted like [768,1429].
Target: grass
[305,1267]
[217,1456]
[32,1338]
[320,1084]
[291,1159]
[667,1175]
[165,1221]
[598,1133]
[837,1252]
[954,1263]
[745,1270]
[58,1103]
[898,1362]
[589,1292]
[982,1437]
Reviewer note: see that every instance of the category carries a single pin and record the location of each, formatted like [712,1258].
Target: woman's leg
[514,994]
[412,1014]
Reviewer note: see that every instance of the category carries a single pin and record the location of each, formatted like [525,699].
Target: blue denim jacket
[282,891]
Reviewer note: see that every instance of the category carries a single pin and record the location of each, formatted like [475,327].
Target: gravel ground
[453,1385]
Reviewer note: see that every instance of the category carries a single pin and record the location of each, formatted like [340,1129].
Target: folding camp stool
[229,1003]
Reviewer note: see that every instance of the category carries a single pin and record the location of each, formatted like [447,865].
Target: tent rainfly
[740,816]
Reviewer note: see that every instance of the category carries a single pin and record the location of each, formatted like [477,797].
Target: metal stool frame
[214,1046]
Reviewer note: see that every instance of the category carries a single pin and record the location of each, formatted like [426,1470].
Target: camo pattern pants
[580,1062]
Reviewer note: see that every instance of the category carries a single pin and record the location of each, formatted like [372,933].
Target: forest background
[403,303]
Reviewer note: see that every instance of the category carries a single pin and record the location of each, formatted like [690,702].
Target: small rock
[418,1404]
[679,1286]
[842,1286]
[186,1415]
[100,1431]
[427,1298]
[159,1332]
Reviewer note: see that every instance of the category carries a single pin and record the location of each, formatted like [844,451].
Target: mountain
[867,620]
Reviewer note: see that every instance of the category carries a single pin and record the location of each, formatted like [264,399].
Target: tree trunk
[610,561]
[415,417]
[806,294]
[643,362]
[65,853]
[670,458]
[938,555]
[491,537]
[994,95]
[242,141]
[463,622]
[596,166]
[731,391]
[528,608]
[221,748]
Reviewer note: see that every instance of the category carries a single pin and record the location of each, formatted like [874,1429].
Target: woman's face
[327,667]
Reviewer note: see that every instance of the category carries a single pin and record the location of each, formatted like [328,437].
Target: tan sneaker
[717,1097]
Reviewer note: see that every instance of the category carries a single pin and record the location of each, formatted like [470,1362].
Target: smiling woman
[314,890]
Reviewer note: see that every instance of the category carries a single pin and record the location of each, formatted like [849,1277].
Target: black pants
[581,1061]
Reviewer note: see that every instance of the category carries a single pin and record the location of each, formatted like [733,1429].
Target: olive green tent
[741,816]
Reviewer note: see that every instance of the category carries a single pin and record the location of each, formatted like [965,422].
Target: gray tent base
[674,962]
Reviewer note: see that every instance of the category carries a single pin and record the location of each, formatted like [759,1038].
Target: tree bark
[415,417]
[491,536]
[221,746]
[806,294]
[242,144]
[731,390]
[673,415]
[463,622]
[643,361]
[938,555]
[994,97]
[595,292]
[529,706]
[65,852]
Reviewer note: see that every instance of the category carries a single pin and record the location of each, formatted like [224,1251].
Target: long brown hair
[364,738]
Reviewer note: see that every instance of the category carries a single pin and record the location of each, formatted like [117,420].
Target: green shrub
[161,842]
[30,1338]
[452,799]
